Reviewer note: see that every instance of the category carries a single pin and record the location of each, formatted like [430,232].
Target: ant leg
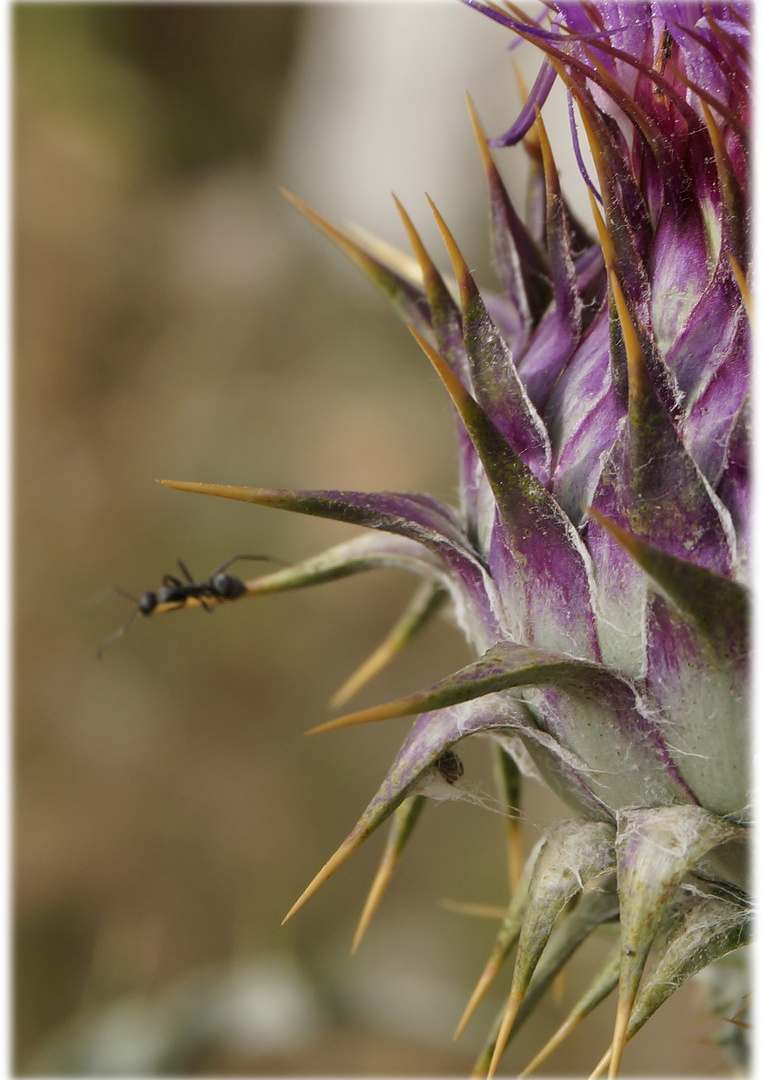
[191,581]
[229,562]
[186,571]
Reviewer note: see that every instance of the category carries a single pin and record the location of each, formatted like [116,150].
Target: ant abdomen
[227,587]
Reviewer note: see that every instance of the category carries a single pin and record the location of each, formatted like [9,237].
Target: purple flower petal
[710,337]
[583,416]
[537,559]
[706,430]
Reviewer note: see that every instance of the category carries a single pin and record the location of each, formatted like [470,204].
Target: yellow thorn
[427,271]
[642,121]
[521,83]
[426,268]
[462,273]
[454,386]
[368,250]
[481,138]
[387,253]
[743,285]
[413,236]
[718,146]
[555,1040]
[515,854]
[338,857]
[628,542]
[485,981]
[381,880]
[388,711]
[520,15]
[635,363]
[600,1068]
[740,1010]
[624,1008]
[467,907]
[403,822]
[548,163]
[369,668]
[418,610]
[224,491]
[514,1001]
[604,236]
[352,250]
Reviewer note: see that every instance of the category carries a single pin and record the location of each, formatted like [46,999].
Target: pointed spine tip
[485,981]
[364,716]
[353,251]
[604,236]
[481,139]
[624,1009]
[427,268]
[339,856]
[223,491]
[555,1040]
[548,162]
[621,535]
[454,386]
[600,1068]
[377,889]
[311,215]
[509,1016]
[521,83]
[462,273]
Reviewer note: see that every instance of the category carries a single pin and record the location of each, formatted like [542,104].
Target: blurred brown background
[174,318]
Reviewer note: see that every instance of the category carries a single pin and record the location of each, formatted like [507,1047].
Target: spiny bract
[597,559]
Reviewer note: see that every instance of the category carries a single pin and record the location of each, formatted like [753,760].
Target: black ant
[219,586]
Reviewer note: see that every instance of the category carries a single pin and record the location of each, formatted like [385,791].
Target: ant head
[147,602]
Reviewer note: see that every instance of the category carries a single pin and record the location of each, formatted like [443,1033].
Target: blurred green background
[174,318]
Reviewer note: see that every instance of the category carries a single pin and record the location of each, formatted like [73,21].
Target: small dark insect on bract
[219,586]
[449,766]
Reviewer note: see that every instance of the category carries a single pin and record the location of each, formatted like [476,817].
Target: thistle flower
[597,559]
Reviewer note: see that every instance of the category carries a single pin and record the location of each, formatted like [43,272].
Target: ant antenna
[118,633]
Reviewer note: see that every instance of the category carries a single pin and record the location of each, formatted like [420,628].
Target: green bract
[598,557]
